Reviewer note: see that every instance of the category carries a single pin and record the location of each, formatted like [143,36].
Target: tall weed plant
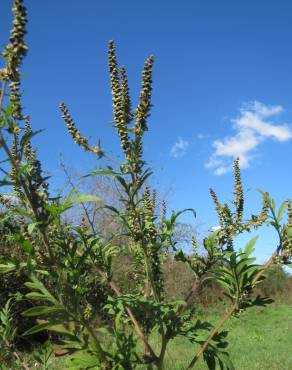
[64,263]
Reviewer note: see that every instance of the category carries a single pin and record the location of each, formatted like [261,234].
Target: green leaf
[35,296]
[27,246]
[40,327]
[124,183]
[102,172]
[27,136]
[67,329]
[43,293]
[262,301]
[223,283]
[175,215]
[249,247]
[31,227]
[5,183]
[54,325]
[225,359]
[281,211]
[83,359]
[9,267]
[244,264]
[85,198]
[43,310]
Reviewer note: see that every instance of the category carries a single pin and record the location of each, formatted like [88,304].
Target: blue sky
[222,88]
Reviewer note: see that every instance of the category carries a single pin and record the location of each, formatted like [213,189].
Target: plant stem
[137,327]
[23,364]
[96,341]
[232,308]
[213,332]
[16,355]
[268,263]
[163,348]
[22,182]
[2,95]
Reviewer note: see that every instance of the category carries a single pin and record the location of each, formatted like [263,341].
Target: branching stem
[135,322]
[230,311]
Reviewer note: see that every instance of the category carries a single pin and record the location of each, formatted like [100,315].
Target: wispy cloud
[179,148]
[202,136]
[252,127]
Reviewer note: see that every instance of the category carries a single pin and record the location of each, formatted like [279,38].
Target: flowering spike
[144,105]
[14,53]
[163,212]
[125,96]
[153,205]
[73,131]
[238,192]
[76,135]
[258,220]
[118,107]
[27,146]
[218,206]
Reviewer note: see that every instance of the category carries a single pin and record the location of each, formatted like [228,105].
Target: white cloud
[179,148]
[251,129]
[261,109]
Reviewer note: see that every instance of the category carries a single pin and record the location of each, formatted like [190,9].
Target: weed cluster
[64,264]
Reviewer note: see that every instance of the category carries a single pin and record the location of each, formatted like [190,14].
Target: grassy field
[260,340]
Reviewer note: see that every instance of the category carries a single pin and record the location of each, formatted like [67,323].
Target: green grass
[261,339]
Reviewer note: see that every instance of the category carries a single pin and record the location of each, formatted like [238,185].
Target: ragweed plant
[64,263]
[8,333]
